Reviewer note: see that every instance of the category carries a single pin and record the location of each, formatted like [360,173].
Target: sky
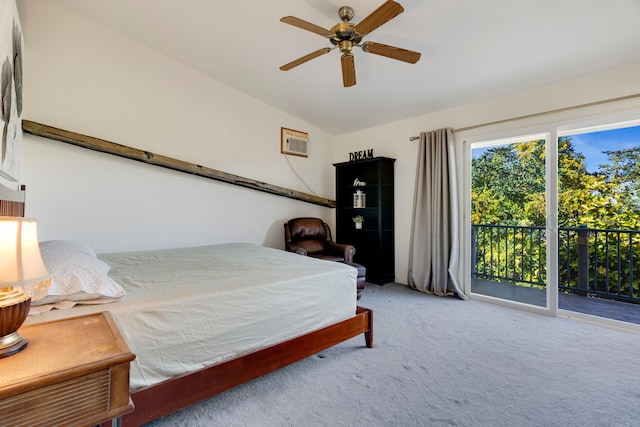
[592,144]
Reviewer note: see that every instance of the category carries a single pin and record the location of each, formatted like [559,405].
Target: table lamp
[22,272]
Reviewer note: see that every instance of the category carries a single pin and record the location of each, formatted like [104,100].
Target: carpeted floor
[445,362]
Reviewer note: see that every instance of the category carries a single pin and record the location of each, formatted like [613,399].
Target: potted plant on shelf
[358,220]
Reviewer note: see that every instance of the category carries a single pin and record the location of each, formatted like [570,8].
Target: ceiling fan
[346,36]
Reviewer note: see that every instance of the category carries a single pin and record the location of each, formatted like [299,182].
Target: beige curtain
[434,252]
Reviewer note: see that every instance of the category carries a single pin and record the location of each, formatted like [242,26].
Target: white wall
[83,78]
[392,140]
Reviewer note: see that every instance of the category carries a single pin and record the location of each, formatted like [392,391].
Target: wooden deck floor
[616,310]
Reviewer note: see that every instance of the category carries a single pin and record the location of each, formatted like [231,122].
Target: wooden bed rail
[108,147]
[162,399]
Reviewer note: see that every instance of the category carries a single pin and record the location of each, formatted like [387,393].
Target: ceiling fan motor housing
[345,31]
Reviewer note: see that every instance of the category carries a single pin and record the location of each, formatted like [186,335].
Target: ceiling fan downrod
[346,13]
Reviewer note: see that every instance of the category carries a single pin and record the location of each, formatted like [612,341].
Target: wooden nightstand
[74,372]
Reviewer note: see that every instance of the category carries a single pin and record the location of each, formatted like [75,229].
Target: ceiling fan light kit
[345,36]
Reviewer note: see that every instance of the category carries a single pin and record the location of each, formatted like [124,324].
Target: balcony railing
[595,262]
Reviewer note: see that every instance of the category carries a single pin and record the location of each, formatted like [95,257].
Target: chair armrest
[292,247]
[341,249]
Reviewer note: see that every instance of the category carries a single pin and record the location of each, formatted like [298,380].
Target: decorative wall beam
[108,147]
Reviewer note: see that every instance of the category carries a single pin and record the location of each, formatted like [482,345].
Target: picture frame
[11,57]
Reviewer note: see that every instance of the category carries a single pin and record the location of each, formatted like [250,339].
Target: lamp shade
[21,264]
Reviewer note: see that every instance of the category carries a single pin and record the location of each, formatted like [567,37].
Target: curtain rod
[544,113]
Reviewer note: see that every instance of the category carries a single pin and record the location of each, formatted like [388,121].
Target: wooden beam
[108,147]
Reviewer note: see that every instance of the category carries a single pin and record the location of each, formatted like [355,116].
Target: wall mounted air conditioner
[294,142]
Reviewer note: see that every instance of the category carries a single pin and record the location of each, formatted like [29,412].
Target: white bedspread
[190,308]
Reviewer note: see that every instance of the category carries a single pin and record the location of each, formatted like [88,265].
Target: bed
[213,316]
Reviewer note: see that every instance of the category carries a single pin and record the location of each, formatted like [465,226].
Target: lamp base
[13,311]
[11,344]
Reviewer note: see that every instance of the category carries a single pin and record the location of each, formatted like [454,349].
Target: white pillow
[77,276]
[67,246]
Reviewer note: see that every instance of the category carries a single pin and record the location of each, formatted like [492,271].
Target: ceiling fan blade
[391,52]
[386,12]
[348,70]
[297,22]
[305,58]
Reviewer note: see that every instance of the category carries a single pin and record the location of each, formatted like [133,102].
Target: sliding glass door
[512,223]
[554,220]
[599,221]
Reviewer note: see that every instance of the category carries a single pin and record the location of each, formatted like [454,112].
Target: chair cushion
[327,257]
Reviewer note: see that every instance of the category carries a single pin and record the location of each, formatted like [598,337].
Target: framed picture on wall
[11,53]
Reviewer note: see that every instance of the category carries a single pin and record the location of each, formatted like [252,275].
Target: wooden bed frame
[169,396]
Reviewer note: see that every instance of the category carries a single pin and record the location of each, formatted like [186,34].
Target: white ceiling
[471,49]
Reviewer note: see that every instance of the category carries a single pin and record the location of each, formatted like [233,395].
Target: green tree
[583,198]
[508,188]
[606,199]
[623,170]
[510,180]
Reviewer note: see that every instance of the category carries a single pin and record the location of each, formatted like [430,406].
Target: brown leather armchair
[312,237]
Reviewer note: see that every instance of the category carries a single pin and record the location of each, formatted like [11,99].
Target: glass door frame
[551,195]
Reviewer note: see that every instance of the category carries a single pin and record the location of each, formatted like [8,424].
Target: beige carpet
[445,362]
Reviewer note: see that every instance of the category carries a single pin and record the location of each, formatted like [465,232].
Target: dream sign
[361,155]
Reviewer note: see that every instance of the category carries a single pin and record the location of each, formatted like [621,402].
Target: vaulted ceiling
[470,49]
